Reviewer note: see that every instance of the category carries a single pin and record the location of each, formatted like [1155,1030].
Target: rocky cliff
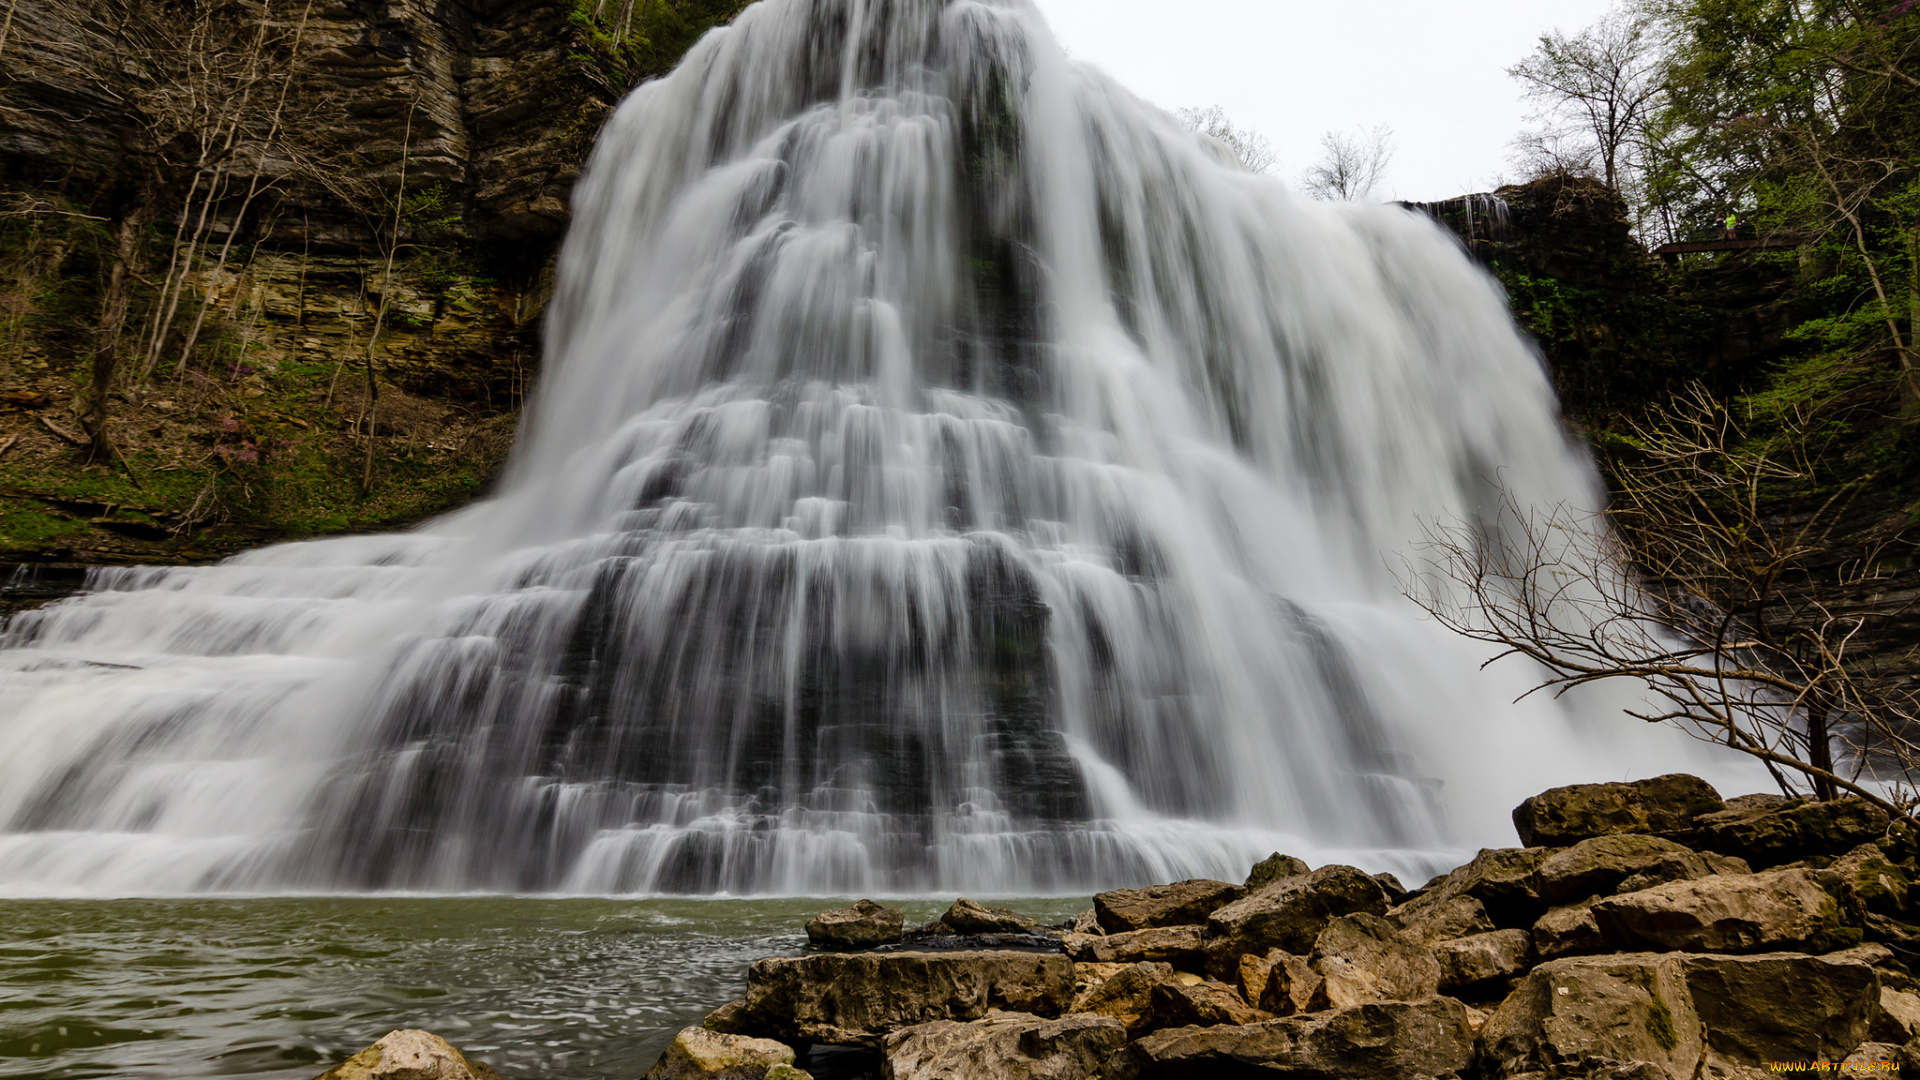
[333,226]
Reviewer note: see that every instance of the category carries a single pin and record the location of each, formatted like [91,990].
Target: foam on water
[947,473]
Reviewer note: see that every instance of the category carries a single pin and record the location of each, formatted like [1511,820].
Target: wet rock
[858,998]
[1427,921]
[1009,1046]
[1482,958]
[1183,903]
[968,917]
[1178,945]
[1289,914]
[1782,1006]
[1634,1007]
[861,926]
[1777,909]
[1275,867]
[1362,958]
[1569,930]
[699,1054]
[1899,1018]
[1292,985]
[1767,833]
[410,1054]
[1123,994]
[1203,1004]
[1596,867]
[1380,1041]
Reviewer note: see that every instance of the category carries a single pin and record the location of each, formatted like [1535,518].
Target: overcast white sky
[1433,72]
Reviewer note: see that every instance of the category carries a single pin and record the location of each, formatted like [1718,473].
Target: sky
[1290,69]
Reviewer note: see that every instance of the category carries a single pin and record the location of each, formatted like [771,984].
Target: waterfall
[947,473]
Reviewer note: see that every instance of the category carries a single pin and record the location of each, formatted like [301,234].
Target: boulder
[1088,977]
[1275,867]
[1773,831]
[1124,994]
[1596,867]
[1292,985]
[699,1054]
[1482,958]
[1362,958]
[1390,884]
[1255,971]
[1568,815]
[1872,1059]
[1782,1006]
[730,1019]
[1633,1007]
[1864,879]
[1500,879]
[1569,930]
[1288,914]
[1087,922]
[787,1072]
[1427,921]
[1394,1040]
[1177,945]
[1772,910]
[968,917]
[858,998]
[411,1054]
[1203,1004]
[1899,1018]
[1183,903]
[1007,1046]
[861,926]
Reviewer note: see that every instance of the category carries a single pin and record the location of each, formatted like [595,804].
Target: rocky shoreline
[1644,931]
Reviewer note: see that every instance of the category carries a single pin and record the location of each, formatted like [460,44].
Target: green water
[556,989]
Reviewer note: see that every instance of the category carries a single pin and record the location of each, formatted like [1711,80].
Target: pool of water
[556,989]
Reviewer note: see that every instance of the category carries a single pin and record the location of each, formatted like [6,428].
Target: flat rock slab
[1782,1006]
[1183,903]
[860,998]
[1180,946]
[1568,815]
[1008,1046]
[1597,866]
[1768,833]
[1481,958]
[1771,910]
[1396,1040]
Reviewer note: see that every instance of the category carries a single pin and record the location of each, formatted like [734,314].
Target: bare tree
[1593,92]
[1708,583]
[1249,147]
[1350,165]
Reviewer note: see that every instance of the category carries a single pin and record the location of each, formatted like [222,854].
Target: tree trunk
[106,338]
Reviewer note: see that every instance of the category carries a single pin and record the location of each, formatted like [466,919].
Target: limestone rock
[1776,909]
[1782,1006]
[1633,1007]
[1775,831]
[410,1054]
[1275,867]
[1254,973]
[1203,1004]
[787,1072]
[1123,994]
[968,917]
[1177,945]
[1292,985]
[1391,885]
[1393,1040]
[1183,903]
[1873,1059]
[1899,1018]
[1481,958]
[730,1019]
[1499,879]
[699,1054]
[1289,914]
[1429,921]
[1088,977]
[1866,879]
[1569,930]
[1362,958]
[857,998]
[1597,866]
[1568,815]
[1008,1046]
[861,926]
[1087,922]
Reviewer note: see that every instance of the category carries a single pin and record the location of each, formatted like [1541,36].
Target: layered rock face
[1610,948]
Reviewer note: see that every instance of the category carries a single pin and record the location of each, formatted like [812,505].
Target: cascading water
[948,473]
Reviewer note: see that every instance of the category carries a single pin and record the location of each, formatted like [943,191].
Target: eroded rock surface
[411,1054]
[1183,903]
[1381,1041]
[700,1054]
[862,926]
[1009,1046]
[1775,909]
[1568,815]
[858,998]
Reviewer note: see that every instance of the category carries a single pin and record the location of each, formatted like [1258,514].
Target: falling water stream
[948,474]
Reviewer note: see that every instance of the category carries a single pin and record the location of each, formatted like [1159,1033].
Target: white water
[948,474]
